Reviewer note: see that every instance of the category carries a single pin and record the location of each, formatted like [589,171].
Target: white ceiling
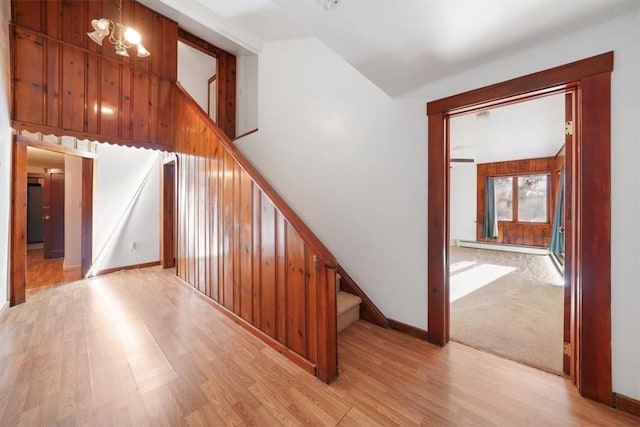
[526,130]
[399,45]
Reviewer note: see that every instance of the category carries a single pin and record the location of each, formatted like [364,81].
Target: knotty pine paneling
[67,85]
[247,252]
[518,233]
[70,20]
[28,79]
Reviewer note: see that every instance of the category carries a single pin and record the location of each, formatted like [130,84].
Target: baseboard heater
[523,249]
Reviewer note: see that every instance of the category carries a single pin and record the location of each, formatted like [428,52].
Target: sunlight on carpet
[467,281]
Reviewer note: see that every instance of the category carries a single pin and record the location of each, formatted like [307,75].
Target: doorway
[43,173]
[506,294]
[53,219]
[587,261]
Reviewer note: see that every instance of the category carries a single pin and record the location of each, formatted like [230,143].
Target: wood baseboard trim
[277,346]
[408,329]
[626,404]
[127,267]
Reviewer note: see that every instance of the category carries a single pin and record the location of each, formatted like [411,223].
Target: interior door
[568,367]
[35,225]
[53,214]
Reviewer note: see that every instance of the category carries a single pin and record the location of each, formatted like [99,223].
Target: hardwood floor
[139,348]
[42,273]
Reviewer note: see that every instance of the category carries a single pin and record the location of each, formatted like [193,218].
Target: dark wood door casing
[569,311]
[18,279]
[592,260]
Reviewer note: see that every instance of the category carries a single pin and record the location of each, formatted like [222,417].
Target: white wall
[462,201]
[351,162]
[621,35]
[247,96]
[5,150]
[194,70]
[126,207]
[72,211]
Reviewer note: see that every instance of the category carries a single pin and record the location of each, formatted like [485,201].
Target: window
[522,198]
[503,190]
[532,198]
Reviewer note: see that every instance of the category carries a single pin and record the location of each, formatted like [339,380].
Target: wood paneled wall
[513,232]
[64,83]
[243,247]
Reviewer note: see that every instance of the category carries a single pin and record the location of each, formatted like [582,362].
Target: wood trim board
[409,329]
[127,267]
[626,404]
[18,279]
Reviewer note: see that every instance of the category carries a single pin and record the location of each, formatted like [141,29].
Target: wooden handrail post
[327,344]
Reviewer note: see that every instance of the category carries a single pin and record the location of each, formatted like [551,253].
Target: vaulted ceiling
[400,45]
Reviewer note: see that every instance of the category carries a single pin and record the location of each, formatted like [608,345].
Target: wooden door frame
[592,229]
[18,244]
[168,215]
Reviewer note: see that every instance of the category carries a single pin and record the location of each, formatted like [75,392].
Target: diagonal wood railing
[242,246]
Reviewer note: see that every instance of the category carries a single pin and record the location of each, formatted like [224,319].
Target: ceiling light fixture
[119,35]
[328,4]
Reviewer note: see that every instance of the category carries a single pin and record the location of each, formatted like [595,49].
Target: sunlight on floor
[460,266]
[464,283]
[555,278]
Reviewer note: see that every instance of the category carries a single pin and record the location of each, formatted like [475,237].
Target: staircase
[348,307]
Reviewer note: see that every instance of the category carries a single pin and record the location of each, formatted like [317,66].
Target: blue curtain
[557,238]
[489,229]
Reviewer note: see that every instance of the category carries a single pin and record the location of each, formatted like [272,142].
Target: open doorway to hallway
[54,194]
[506,185]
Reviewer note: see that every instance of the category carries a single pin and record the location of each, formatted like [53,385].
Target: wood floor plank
[139,348]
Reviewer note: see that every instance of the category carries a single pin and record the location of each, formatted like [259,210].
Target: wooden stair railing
[242,246]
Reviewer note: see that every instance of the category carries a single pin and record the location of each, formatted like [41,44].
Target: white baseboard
[70,267]
[533,250]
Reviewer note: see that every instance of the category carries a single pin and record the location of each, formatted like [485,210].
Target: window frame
[514,195]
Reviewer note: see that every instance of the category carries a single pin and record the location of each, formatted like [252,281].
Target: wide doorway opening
[506,293]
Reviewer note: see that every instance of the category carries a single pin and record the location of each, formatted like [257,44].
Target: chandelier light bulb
[132,36]
[142,51]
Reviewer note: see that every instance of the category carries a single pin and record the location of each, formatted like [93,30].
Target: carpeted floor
[519,315]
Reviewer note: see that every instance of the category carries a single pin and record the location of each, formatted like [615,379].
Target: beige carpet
[518,316]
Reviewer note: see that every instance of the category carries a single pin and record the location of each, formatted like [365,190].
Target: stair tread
[346,302]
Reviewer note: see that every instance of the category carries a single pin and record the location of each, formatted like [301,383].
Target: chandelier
[121,36]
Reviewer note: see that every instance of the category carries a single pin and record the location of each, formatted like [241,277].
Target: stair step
[348,309]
